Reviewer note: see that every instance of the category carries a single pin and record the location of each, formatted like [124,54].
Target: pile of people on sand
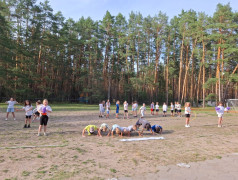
[43,110]
[116,129]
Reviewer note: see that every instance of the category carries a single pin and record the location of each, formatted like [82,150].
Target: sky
[96,9]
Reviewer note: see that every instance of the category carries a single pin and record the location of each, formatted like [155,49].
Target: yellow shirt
[87,128]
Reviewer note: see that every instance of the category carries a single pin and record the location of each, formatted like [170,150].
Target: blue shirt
[117,105]
[153,127]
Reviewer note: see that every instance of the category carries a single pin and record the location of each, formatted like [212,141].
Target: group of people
[41,112]
[105,107]
[116,129]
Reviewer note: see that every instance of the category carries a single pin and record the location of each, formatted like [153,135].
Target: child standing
[175,108]
[172,109]
[164,109]
[152,108]
[108,104]
[157,108]
[100,109]
[28,109]
[125,109]
[44,111]
[187,113]
[134,108]
[220,112]
[117,108]
[179,109]
[142,110]
[10,108]
[35,111]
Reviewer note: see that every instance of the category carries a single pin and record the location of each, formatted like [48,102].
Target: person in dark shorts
[44,110]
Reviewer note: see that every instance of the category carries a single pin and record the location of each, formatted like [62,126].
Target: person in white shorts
[220,112]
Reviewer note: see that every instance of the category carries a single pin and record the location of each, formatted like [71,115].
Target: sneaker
[25,126]
[188,125]
[219,126]
[6,119]
[14,119]
[29,125]
[38,134]
[45,134]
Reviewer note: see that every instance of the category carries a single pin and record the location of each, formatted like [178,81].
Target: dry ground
[106,158]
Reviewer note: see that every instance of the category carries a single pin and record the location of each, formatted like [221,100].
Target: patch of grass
[64,175]
[81,151]
[40,156]
[218,157]
[135,161]
[25,173]
[113,170]
[109,144]
[53,168]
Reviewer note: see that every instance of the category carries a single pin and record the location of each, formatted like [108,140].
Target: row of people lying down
[93,129]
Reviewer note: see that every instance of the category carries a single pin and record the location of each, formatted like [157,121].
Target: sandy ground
[205,147]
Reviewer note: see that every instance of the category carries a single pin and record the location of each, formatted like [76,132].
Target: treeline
[192,57]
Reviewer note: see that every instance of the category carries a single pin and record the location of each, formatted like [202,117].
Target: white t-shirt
[187,110]
[164,107]
[126,106]
[152,106]
[221,110]
[48,108]
[11,104]
[101,107]
[27,110]
[172,107]
[156,106]
[135,106]
[104,125]
[142,108]
[179,106]
[130,128]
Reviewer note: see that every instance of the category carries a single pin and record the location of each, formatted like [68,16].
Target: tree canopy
[44,55]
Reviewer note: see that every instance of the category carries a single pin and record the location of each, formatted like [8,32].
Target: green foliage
[44,55]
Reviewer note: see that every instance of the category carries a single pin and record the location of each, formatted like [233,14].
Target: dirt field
[106,158]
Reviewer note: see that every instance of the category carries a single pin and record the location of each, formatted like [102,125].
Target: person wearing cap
[145,125]
[91,129]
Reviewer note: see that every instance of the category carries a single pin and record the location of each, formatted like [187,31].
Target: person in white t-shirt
[10,108]
[164,109]
[142,110]
[35,111]
[28,110]
[134,108]
[125,109]
[220,111]
[157,108]
[172,109]
[101,109]
[187,113]
[44,111]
